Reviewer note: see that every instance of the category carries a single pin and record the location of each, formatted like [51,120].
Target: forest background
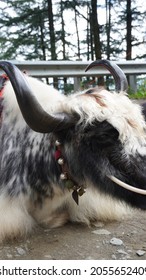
[72,30]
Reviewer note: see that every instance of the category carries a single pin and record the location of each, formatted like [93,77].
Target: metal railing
[76,70]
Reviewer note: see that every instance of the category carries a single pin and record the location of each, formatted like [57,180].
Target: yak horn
[33,113]
[127,186]
[121,83]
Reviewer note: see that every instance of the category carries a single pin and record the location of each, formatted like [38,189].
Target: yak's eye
[103,134]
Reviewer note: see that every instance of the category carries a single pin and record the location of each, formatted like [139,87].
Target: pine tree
[131,17]
[24,31]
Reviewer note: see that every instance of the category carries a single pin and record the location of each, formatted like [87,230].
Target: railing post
[132,83]
[77,83]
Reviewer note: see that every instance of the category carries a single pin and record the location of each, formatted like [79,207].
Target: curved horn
[33,113]
[121,83]
[126,186]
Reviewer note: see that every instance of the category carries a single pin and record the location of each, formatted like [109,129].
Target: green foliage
[141,92]
[21,30]
[68,88]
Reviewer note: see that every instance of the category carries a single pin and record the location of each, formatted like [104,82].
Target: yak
[79,158]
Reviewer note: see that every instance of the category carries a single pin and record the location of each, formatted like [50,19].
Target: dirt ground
[74,241]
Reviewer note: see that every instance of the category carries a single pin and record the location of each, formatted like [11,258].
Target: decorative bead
[63,176]
[60,161]
[57,143]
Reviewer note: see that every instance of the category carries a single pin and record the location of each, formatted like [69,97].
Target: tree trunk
[63,38]
[51,30]
[108,25]
[62,32]
[42,36]
[108,33]
[91,37]
[52,37]
[88,32]
[96,35]
[129,31]
[78,38]
[95,30]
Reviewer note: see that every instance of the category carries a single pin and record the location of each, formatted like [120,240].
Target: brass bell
[81,191]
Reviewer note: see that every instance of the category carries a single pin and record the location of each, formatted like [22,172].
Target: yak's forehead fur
[117,109]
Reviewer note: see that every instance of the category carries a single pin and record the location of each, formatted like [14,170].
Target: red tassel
[57,154]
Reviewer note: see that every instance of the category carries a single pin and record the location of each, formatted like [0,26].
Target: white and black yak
[68,158]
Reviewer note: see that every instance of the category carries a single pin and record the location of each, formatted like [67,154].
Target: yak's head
[102,134]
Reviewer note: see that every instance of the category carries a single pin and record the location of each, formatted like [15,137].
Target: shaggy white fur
[123,114]
[18,215]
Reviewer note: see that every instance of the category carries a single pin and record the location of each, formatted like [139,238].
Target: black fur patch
[94,152]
